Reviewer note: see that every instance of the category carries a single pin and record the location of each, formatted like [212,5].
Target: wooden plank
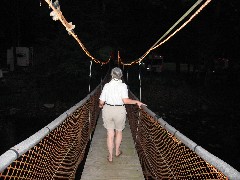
[127,166]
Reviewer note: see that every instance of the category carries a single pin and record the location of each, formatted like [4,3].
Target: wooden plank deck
[125,167]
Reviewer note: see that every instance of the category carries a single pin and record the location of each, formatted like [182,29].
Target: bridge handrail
[18,150]
[224,167]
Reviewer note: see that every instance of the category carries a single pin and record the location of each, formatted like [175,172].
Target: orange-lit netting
[58,154]
[162,155]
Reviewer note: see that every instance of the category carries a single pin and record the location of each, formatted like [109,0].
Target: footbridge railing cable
[55,151]
[165,153]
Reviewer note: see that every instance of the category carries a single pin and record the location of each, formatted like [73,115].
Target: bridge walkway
[125,167]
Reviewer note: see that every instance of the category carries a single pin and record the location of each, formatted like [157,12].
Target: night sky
[131,27]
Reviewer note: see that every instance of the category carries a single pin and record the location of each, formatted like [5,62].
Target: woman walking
[112,99]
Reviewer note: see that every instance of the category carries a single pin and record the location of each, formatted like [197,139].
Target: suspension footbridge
[152,149]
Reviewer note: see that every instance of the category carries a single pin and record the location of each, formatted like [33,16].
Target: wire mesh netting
[162,155]
[58,154]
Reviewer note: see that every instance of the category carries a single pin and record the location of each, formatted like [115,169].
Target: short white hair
[116,73]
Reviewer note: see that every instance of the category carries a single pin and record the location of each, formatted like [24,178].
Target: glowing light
[159,43]
[57,15]
[182,26]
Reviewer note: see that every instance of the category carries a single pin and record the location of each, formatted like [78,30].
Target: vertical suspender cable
[118,58]
[101,77]
[127,75]
[140,83]
[90,75]
[140,98]
[89,89]
[140,93]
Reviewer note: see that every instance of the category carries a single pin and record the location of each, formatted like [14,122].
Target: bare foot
[119,153]
[110,159]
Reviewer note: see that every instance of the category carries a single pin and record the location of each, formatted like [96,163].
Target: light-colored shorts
[114,117]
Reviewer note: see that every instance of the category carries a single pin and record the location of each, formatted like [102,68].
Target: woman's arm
[131,101]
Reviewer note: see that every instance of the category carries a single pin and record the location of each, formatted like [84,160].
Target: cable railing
[165,153]
[55,151]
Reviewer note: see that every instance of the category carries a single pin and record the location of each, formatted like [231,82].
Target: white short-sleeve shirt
[113,92]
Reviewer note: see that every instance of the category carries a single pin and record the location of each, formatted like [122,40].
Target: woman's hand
[101,103]
[140,104]
[132,101]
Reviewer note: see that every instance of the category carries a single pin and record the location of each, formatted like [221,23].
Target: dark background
[131,27]
[203,106]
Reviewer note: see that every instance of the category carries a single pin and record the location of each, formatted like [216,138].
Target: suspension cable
[159,43]
[57,15]
[176,23]
[182,26]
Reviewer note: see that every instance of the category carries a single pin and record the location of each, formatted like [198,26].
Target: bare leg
[110,145]
[118,140]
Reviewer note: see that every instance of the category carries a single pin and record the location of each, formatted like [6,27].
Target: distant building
[24,57]
[154,62]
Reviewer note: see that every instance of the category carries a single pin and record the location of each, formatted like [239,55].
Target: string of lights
[57,15]
[182,26]
[159,42]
